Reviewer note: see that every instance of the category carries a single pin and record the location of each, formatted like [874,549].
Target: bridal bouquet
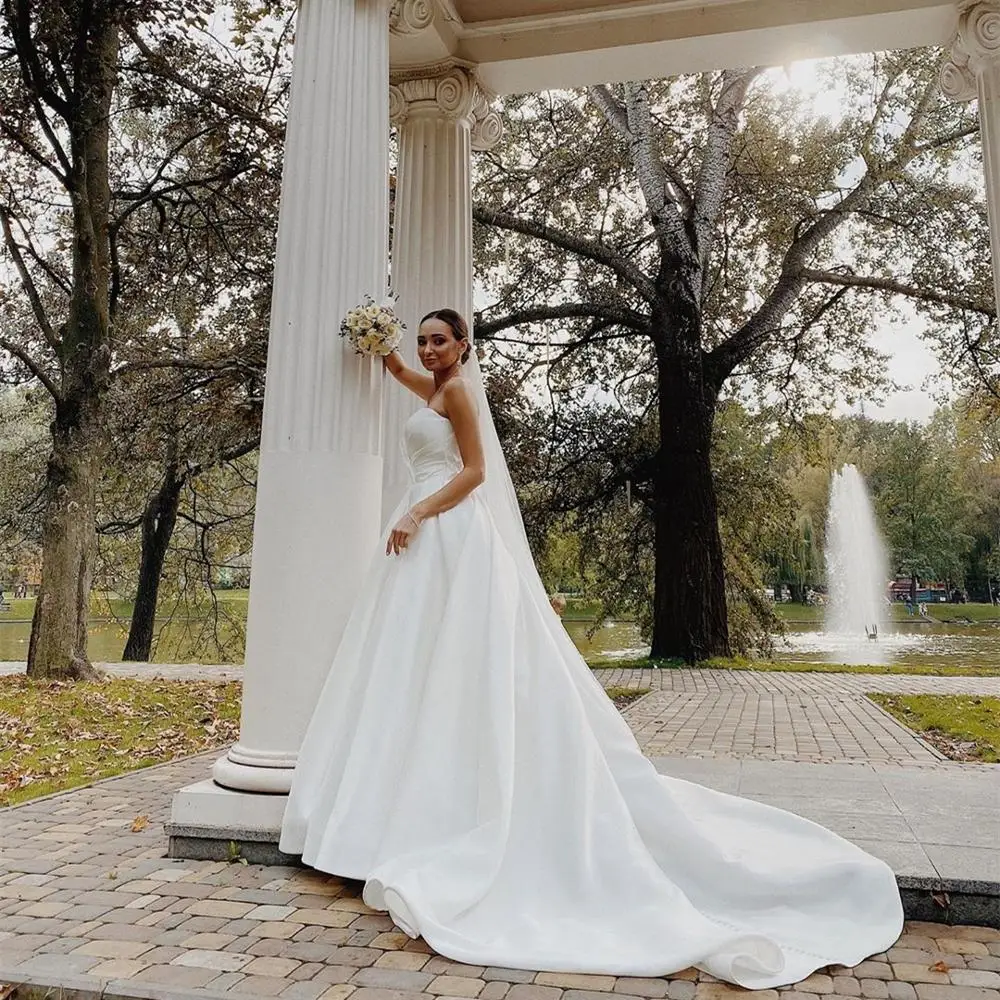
[373,330]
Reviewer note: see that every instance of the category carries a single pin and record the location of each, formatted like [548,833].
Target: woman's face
[437,346]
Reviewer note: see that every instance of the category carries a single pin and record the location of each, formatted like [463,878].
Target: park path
[89,903]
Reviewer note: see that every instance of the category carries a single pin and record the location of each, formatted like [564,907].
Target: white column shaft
[319,481]
[989,123]
[431,253]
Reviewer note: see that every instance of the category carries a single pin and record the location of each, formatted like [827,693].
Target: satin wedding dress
[464,762]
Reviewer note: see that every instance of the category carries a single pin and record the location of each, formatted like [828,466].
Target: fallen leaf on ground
[140,823]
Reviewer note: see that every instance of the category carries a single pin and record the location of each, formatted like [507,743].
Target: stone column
[319,482]
[973,71]
[442,114]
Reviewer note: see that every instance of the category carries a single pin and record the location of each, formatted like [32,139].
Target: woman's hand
[402,534]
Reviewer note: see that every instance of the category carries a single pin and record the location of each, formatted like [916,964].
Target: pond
[904,644]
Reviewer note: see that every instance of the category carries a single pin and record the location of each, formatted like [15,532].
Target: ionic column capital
[408,17]
[449,90]
[975,49]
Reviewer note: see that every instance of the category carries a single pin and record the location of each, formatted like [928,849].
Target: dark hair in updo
[457,324]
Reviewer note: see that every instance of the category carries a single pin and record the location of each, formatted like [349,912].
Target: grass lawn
[623,696]
[806,613]
[985,670]
[55,736]
[962,727]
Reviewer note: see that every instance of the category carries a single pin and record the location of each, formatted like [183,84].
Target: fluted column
[442,114]
[319,481]
[973,71]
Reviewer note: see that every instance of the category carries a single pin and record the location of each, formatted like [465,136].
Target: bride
[465,763]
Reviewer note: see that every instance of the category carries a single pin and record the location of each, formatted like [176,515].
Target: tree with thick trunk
[131,194]
[684,237]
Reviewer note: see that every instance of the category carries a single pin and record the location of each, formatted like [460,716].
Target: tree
[669,242]
[89,233]
[920,507]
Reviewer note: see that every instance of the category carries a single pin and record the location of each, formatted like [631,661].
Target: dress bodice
[430,447]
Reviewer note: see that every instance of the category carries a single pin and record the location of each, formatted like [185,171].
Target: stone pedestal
[319,482]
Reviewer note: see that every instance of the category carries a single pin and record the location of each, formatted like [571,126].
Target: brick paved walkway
[89,904]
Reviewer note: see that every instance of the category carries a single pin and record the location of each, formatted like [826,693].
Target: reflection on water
[903,644]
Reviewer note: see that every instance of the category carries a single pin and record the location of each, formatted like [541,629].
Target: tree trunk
[689,601]
[158,522]
[58,645]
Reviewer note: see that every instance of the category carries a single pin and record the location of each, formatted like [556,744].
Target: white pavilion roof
[530,45]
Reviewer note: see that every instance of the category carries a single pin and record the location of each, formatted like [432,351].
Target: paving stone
[438,965]
[210,940]
[220,961]
[304,991]
[341,991]
[962,947]
[269,912]
[365,993]
[640,987]
[266,947]
[846,986]
[176,975]
[336,974]
[898,954]
[361,939]
[901,991]
[975,977]
[361,957]
[680,989]
[390,940]
[305,951]
[816,983]
[409,960]
[224,982]
[576,981]
[507,975]
[456,986]
[529,991]
[323,917]
[392,979]
[276,929]
[874,989]
[306,970]
[119,968]
[873,970]
[114,949]
[723,991]
[919,973]
[929,991]
[271,966]
[229,908]
[494,990]
[261,986]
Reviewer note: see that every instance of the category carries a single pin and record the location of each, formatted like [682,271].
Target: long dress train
[464,761]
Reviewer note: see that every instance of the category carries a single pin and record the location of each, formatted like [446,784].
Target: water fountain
[855,573]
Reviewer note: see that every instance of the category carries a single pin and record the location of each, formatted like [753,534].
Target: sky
[912,363]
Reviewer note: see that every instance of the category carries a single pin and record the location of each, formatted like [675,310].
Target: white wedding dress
[464,762]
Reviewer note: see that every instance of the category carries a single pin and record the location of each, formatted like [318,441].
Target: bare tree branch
[894,287]
[26,281]
[486,329]
[592,250]
[29,362]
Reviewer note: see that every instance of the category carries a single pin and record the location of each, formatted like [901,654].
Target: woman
[466,764]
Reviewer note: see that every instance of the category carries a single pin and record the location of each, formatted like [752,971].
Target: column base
[237,773]
[212,823]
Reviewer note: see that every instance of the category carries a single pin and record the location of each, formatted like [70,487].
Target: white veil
[498,492]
